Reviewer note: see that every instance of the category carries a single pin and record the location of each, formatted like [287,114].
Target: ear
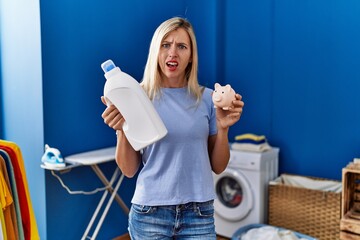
[228,87]
[217,85]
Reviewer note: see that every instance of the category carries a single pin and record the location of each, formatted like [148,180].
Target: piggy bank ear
[228,87]
[217,85]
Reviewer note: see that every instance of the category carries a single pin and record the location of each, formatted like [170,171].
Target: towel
[249,147]
[251,136]
[250,142]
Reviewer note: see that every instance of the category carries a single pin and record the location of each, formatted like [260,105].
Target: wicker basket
[313,212]
[350,211]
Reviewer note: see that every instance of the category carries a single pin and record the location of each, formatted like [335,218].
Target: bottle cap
[107,66]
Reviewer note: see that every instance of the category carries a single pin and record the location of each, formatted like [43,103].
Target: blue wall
[295,63]
[316,61]
[76,39]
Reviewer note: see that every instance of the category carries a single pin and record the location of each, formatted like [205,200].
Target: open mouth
[172,65]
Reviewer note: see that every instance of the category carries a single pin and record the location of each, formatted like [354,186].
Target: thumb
[103,100]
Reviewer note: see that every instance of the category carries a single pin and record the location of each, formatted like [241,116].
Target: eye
[181,46]
[165,45]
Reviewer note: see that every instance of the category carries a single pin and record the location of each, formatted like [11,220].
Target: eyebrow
[180,43]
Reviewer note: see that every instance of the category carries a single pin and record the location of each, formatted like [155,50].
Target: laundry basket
[310,211]
[243,230]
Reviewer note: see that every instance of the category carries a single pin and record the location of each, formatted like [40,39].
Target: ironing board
[93,159]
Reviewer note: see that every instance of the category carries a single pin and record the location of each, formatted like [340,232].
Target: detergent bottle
[143,126]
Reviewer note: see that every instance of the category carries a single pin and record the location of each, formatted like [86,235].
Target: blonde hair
[151,81]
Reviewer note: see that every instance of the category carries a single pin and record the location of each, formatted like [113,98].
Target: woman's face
[174,57]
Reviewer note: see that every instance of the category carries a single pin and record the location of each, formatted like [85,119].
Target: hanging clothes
[8,206]
[2,222]
[24,209]
[28,219]
[15,196]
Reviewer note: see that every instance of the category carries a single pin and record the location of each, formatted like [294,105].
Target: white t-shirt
[177,168]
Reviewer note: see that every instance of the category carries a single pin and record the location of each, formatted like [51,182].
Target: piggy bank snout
[217,97]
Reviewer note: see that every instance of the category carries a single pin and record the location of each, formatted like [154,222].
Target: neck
[173,83]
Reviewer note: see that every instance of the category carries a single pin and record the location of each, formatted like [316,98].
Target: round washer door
[234,197]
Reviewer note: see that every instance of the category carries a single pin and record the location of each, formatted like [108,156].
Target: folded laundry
[250,136]
[250,142]
[250,147]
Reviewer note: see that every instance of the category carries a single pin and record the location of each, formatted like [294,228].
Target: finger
[113,119]
[107,111]
[237,106]
[238,96]
[236,112]
[114,112]
[115,122]
[111,115]
[234,115]
[119,124]
[103,100]
[238,103]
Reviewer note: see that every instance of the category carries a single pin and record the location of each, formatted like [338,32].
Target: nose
[172,51]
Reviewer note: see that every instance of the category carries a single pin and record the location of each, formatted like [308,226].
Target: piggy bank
[223,96]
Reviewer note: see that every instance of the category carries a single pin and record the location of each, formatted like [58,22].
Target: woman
[174,191]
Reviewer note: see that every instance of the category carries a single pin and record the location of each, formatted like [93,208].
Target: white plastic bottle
[143,126]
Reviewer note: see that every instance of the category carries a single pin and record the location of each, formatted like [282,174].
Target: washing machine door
[234,196]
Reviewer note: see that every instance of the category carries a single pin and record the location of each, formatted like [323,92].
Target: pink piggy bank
[223,96]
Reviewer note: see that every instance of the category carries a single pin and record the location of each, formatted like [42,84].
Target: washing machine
[242,190]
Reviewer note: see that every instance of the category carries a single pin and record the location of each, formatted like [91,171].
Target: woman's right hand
[112,117]
[126,157]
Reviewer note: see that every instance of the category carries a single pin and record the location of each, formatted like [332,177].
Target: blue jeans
[190,221]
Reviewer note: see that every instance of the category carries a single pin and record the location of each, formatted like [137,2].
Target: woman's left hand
[227,118]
